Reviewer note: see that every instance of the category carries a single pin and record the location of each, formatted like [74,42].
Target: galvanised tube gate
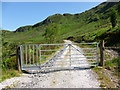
[58,56]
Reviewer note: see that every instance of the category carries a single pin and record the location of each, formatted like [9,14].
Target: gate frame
[20,49]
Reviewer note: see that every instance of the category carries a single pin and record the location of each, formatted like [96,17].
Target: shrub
[9,63]
[114,63]
[113,18]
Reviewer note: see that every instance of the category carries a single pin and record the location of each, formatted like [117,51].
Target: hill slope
[89,26]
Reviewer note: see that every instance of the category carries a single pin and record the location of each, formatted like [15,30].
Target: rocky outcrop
[22,29]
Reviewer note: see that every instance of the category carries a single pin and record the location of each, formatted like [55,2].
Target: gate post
[18,58]
[102,53]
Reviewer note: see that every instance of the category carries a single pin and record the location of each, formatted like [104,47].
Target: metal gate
[58,56]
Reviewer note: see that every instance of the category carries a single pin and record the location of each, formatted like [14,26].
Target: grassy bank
[108,75]
[113,65]
[9,68]
[9,73]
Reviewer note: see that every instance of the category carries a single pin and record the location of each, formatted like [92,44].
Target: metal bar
[76,57]
[74,60]
[26,54]
[36,55]
[29,55]
[28,44]
[83,43]
[58,44]
[33,55]
[83,48]
[39,54]
[71,54]
[50,50]
[23,55]
[68,49]
[88,48]
[79,54]
[46,55]
[76,49]
[55,68]
[52,44]
[50,68]
[29,65]
[61,64]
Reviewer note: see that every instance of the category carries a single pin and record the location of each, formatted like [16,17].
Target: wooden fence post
[102,53]
[18,58]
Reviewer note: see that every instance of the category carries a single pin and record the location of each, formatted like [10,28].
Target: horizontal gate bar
[67,49]
[55,68]
[53,44]
[84,43]
[72,67]
[81,54]
[59,44]
[29,65]
[50,50]
[68,43]
[71,54]
[69,60]
[70,57]
[67,64]
[88,48]
[72,60]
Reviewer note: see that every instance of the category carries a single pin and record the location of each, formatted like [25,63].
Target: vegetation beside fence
[113,65]
[9,68]
[8,73]
[109,72]
[108,75]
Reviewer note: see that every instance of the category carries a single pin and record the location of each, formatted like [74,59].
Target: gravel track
[64,78]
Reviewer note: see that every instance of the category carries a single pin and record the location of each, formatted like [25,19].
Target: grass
[9,73]
[104,80]
[112,65]
[8,68]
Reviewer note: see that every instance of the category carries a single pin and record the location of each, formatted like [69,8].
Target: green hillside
[90,26]
[79,26]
